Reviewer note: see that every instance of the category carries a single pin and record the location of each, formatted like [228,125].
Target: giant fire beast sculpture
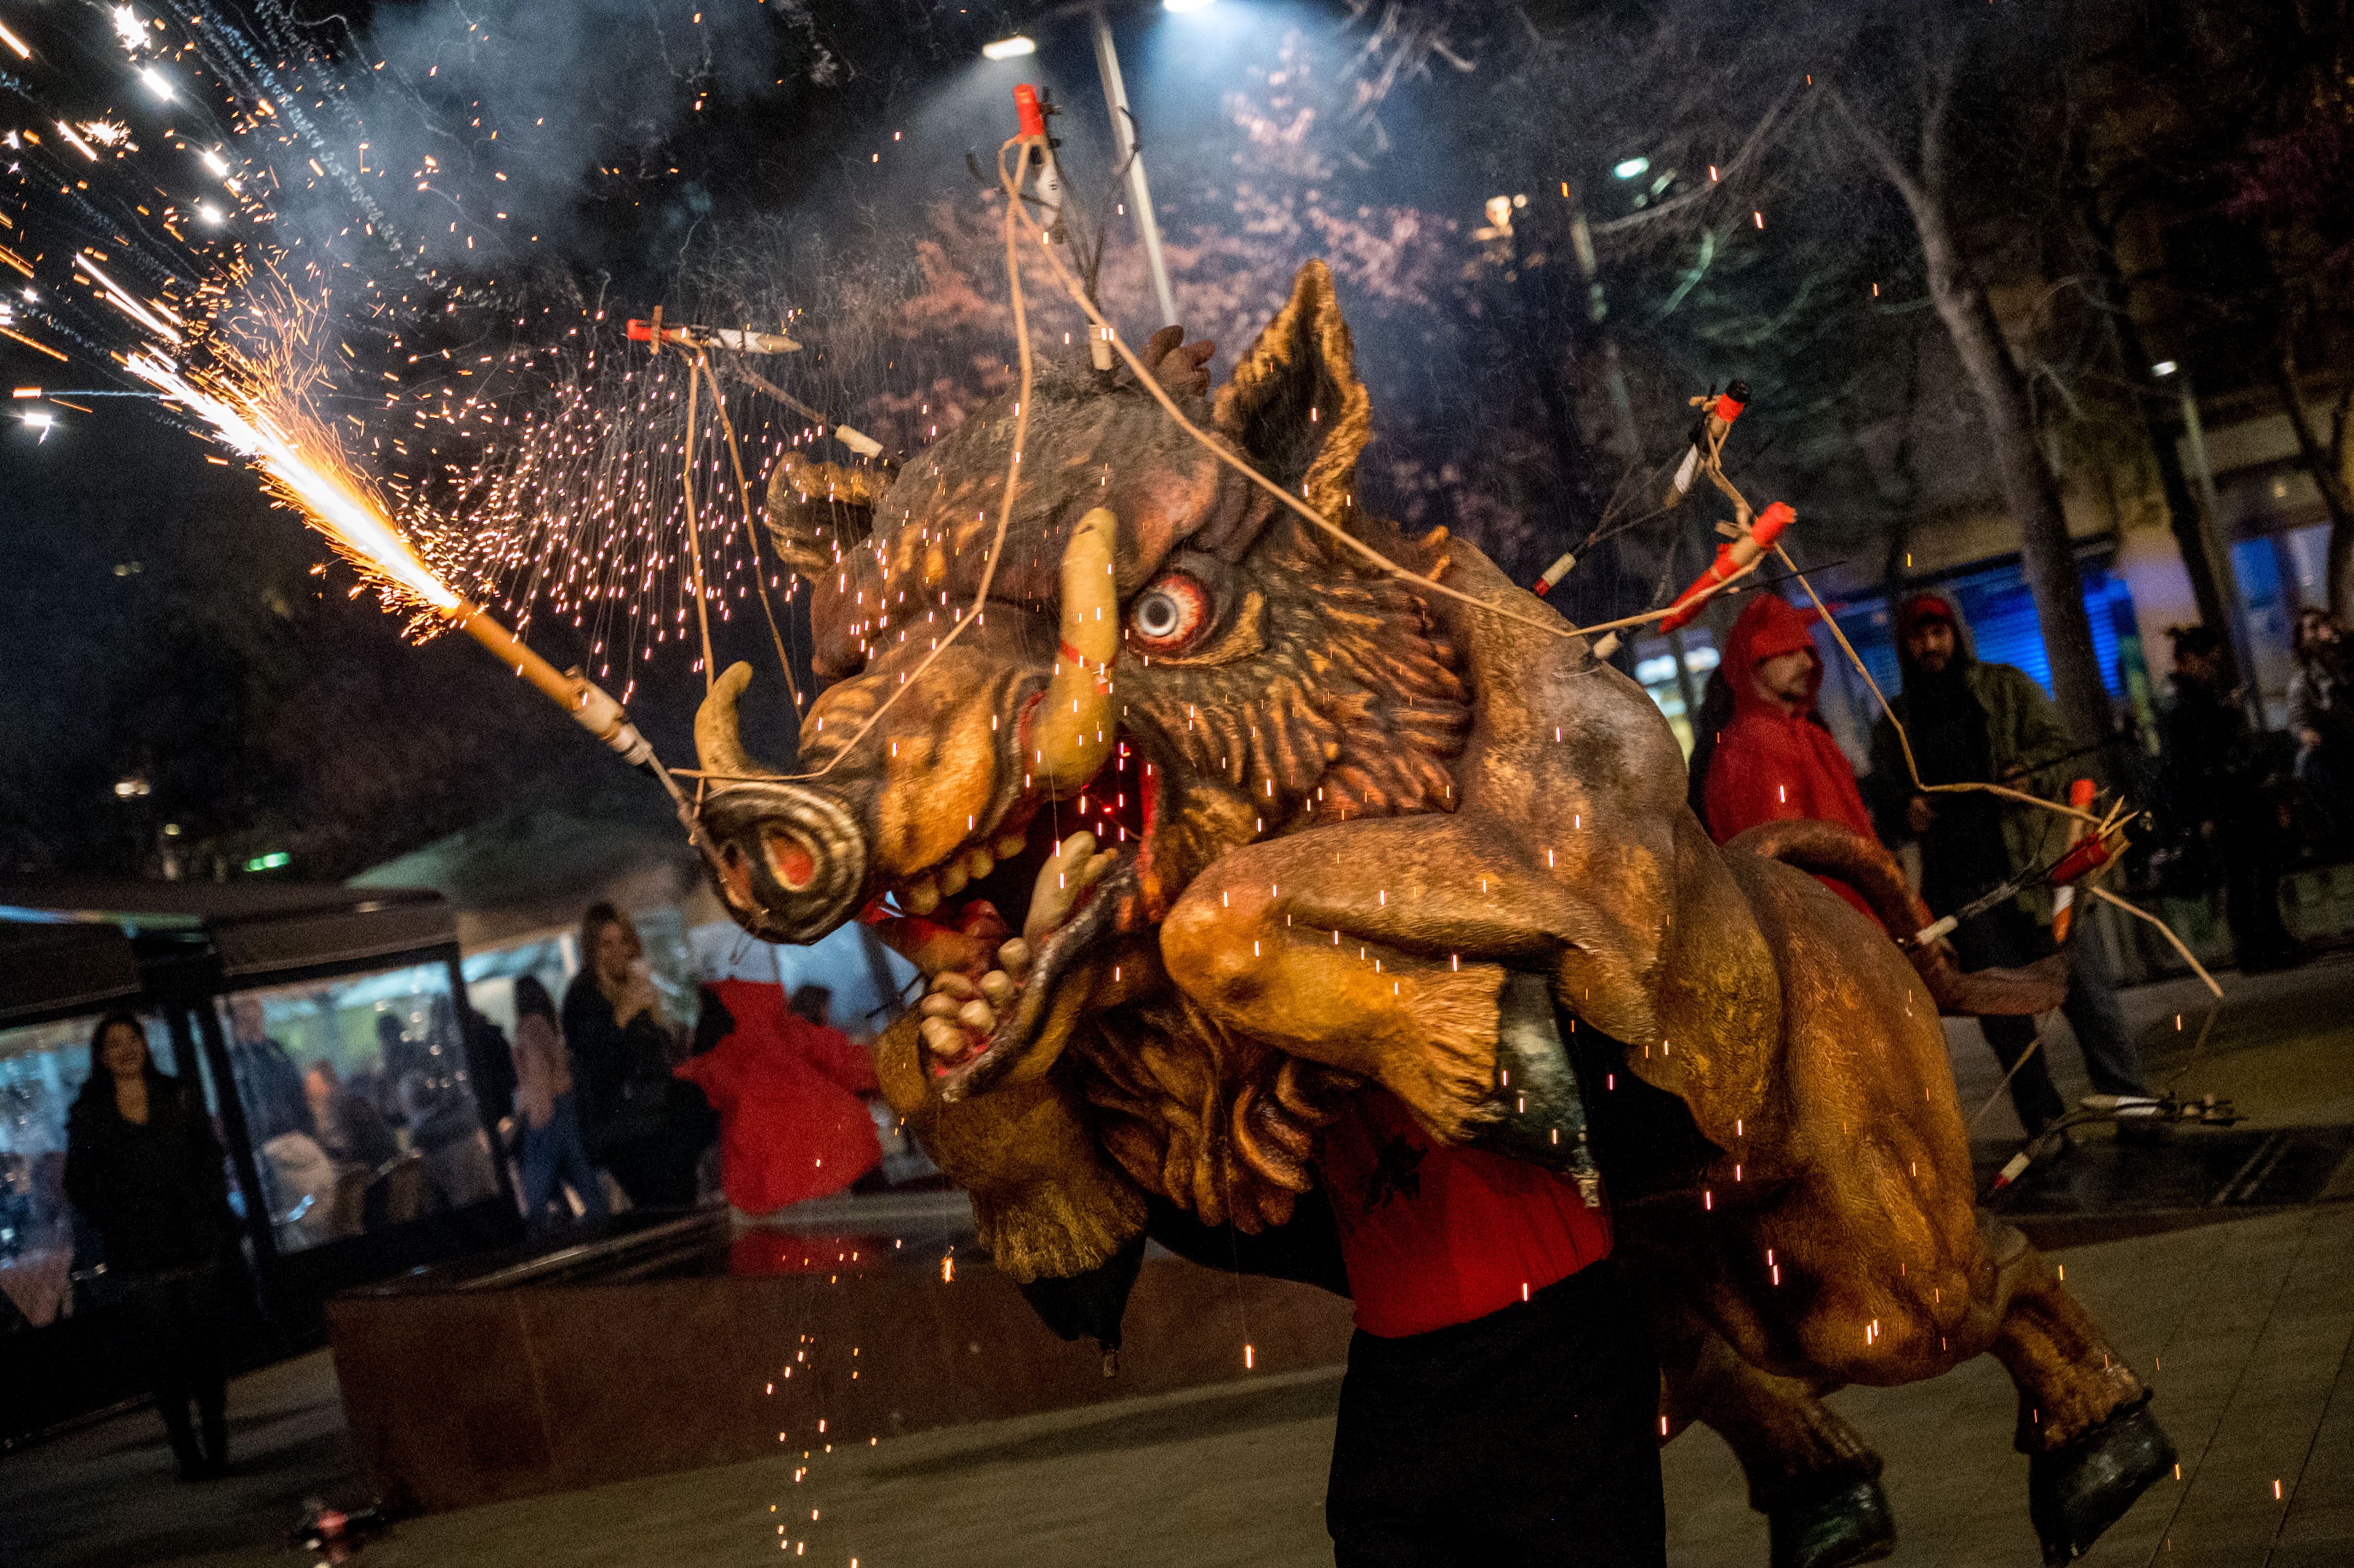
[1341,831]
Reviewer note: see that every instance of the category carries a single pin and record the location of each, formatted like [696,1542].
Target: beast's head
[1168,660]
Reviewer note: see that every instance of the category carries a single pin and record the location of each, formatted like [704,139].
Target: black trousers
[1527,1437]
[2008,936]
[179,1324]
[657,1172]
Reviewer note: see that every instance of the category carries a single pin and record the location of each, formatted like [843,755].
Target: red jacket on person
[791,1124]
[1770,764]
[1435,1235]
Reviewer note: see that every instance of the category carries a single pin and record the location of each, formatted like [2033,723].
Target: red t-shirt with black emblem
[1435,1235]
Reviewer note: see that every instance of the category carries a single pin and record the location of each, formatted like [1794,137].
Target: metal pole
[1123,135]
[2219,553]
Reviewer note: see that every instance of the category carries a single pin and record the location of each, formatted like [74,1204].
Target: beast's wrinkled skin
[1341,812]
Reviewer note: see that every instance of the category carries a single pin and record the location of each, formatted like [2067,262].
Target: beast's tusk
[717,741]
[1073,731]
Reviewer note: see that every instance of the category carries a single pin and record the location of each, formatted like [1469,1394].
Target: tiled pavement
[2244,1327]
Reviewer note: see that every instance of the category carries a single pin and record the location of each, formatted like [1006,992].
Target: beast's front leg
[1409,952]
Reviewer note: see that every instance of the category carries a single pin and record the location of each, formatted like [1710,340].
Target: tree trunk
[2328,469]
[2030,492]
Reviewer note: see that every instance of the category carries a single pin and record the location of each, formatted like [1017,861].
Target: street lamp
[1010,48]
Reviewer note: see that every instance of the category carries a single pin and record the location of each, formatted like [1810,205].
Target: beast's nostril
[789,860]
[736,875]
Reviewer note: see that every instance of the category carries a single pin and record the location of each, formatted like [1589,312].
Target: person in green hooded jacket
[1971,722]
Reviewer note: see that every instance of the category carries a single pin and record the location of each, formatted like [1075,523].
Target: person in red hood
[793,1124]
[1774,760]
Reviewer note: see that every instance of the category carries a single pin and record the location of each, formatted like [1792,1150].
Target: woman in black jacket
[641,1124]
[144,1169]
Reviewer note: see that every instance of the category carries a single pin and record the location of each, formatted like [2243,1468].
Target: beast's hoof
[1848,1526]
[2076,1492]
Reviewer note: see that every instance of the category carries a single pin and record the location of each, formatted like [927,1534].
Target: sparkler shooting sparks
[261,418]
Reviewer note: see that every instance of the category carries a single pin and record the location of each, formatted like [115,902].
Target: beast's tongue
[1078,899]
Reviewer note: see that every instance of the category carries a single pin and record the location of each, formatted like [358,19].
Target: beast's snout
[789,859]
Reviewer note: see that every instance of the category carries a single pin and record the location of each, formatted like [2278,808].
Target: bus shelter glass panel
[358,1093]
[43,1070]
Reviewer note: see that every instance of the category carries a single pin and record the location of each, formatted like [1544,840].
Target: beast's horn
[717,741]
[1074,728]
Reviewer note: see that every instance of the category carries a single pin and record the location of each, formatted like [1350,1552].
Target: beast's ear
[816,510]
[1294,403]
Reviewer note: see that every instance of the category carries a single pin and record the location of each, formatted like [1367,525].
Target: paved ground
[2245,1328]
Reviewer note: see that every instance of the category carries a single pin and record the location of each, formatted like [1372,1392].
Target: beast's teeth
[978,863]
[1011,845]
[921,899]
[952,877]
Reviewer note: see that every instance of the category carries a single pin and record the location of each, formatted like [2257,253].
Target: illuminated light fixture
[1182,7]
[15,42]
[155,82]
[269,862]
[1633,168]
[208,212]
[130,789]
[2164,367]
[1015,48]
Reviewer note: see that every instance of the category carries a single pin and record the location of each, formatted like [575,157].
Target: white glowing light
[2164,367]
[1010,48]
[130,306]
[208,212]
[216,164]
[75,141]
[127,28]
[1633,168]
[15,42]
[156,82]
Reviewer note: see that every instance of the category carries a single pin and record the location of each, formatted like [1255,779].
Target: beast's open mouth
[1068,895]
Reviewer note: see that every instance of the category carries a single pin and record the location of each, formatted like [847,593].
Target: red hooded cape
[1770,764]
[791,1124]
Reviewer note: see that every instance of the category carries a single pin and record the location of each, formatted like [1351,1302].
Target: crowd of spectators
[2234,807]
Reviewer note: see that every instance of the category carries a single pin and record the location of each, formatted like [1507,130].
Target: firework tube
[2085,858]
[1726,408]
[742,342]
[2080,797]
[1556,572]
[591,706]
[1026,110]
[1723,407]
[1730,561]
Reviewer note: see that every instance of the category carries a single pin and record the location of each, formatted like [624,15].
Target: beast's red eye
[1170,613]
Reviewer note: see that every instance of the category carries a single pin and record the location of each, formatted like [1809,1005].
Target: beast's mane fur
[1355,708]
